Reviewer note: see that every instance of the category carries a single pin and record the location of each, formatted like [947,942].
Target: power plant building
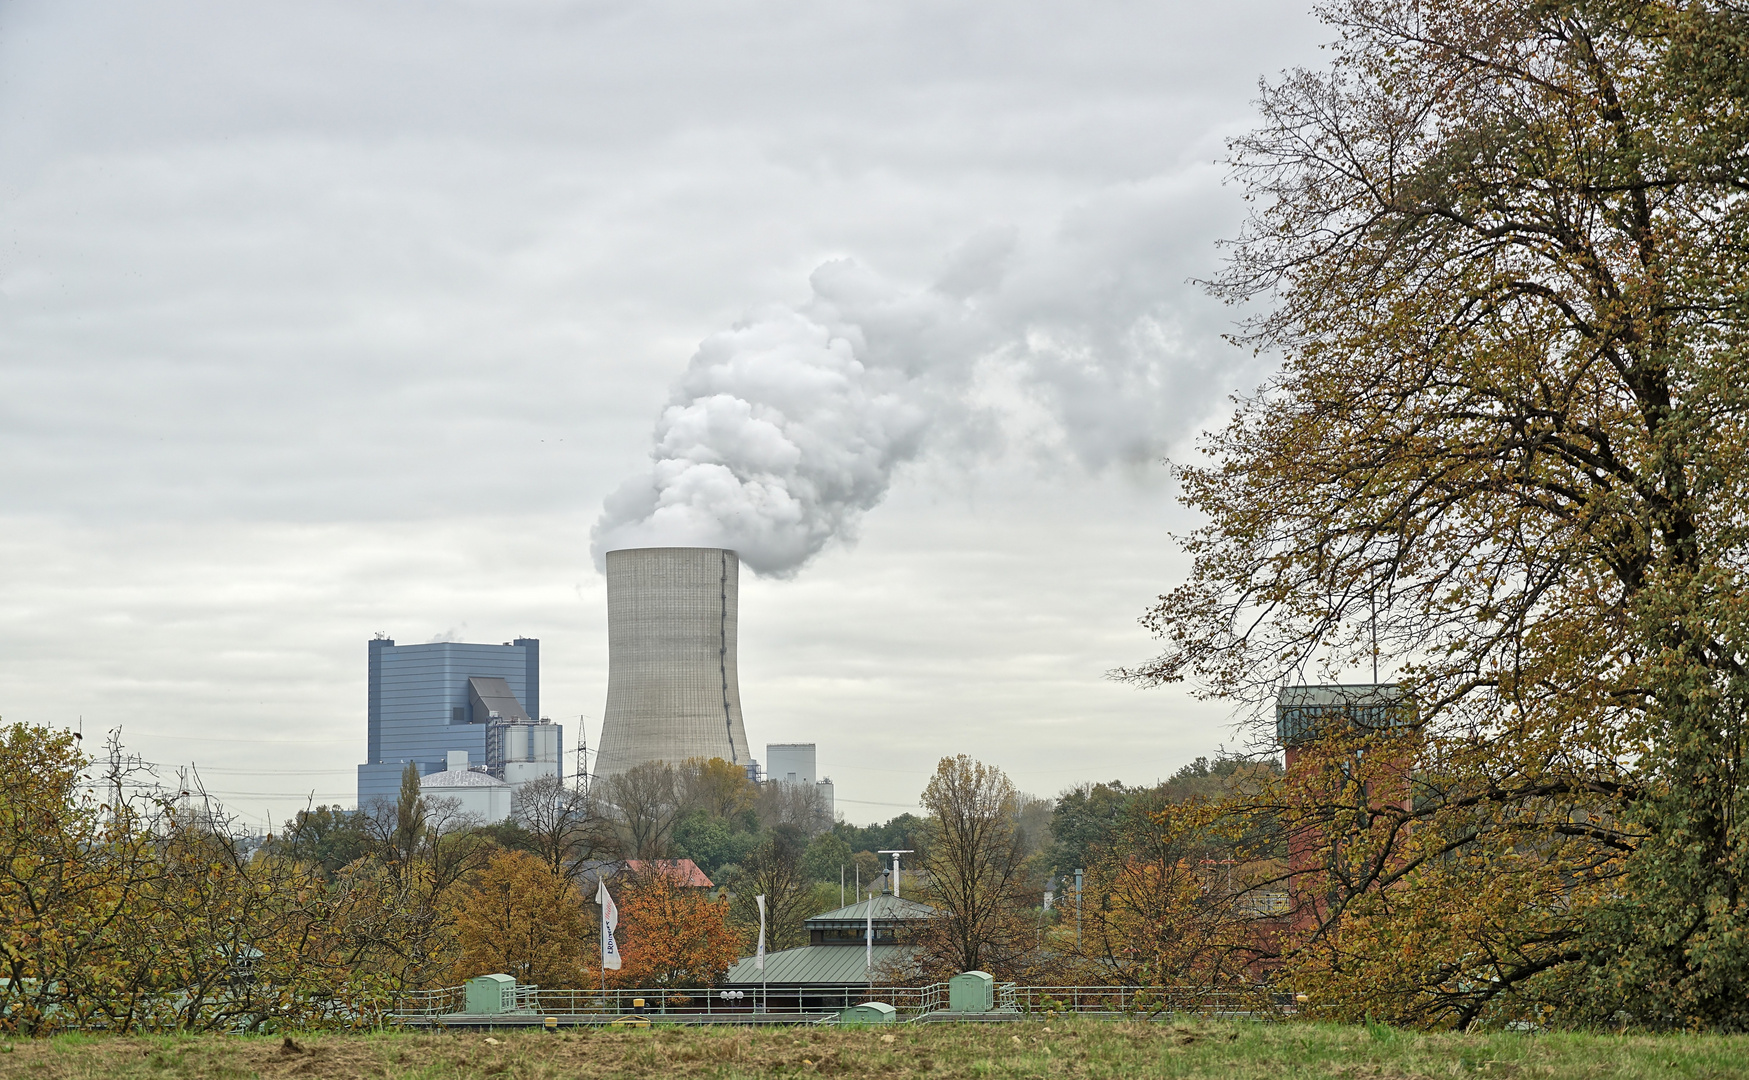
[672,688]
[452,706]
[793,763]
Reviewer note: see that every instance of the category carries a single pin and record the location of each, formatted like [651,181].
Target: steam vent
[672,692]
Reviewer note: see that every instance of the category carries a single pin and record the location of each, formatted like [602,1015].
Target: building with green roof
[837,955]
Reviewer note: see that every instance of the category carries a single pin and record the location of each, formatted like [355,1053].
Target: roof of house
[682,872]
[885,907]
[816,965]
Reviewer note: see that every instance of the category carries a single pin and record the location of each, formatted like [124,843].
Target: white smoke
[778,436]
[786,428]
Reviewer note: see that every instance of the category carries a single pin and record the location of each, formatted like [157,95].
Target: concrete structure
[672,691]
[793,763]
[425,701]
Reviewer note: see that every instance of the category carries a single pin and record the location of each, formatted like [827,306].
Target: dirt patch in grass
[905,1052]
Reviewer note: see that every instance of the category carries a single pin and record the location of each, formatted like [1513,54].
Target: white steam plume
[786,428]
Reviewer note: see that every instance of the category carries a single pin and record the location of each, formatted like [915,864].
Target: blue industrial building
[428,700]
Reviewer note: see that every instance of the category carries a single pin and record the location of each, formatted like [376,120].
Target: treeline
[126,907]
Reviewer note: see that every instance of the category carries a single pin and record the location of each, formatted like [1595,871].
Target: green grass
[1230,1051]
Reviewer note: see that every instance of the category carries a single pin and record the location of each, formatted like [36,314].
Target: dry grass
[1059,1049]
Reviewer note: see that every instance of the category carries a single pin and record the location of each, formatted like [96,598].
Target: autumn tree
[136,913]
[671,936]
[1502,248]
[401,922]
[976,871]
[1182,897]
[70,868]
[719,788]
[523,918]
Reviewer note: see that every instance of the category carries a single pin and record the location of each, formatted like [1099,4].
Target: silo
[672,692]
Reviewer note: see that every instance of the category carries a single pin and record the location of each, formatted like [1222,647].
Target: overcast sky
[323,319]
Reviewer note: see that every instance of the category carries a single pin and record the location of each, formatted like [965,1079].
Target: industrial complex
[464,715]
[467,716]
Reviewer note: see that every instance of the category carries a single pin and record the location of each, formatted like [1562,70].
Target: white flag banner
[609,923]
[868,961]
[759,957]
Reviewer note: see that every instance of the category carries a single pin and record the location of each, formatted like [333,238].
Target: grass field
[1061,1049]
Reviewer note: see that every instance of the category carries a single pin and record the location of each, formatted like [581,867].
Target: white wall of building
[790,763]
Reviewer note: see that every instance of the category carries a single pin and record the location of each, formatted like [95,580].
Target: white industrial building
[793,763]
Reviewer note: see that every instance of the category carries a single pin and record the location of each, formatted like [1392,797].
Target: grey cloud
[325,318]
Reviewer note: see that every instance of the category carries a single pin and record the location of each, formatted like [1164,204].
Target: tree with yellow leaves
[1504,247]
[521,918]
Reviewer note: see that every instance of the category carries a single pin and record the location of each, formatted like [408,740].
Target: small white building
[480,794]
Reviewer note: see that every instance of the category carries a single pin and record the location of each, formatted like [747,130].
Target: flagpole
[759,959]
[609,923]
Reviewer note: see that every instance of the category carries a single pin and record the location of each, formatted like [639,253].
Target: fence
[1143,1000]
[754,1003]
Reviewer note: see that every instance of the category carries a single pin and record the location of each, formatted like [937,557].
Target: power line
[128,733]
[866,802]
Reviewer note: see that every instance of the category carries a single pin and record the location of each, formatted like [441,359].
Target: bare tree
[565,822]
[1032,822]
[646,804]
[799,806]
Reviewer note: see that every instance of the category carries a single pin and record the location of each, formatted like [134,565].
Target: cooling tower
[672,692]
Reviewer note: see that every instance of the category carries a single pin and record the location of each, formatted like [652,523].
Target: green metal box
[869,1012]
[489,995]
[971,992]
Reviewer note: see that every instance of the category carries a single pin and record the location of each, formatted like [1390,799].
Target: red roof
[682,872]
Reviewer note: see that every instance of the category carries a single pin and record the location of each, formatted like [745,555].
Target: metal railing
[1144,1000]
[752,1003]
[422,1003]
[731,1003]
